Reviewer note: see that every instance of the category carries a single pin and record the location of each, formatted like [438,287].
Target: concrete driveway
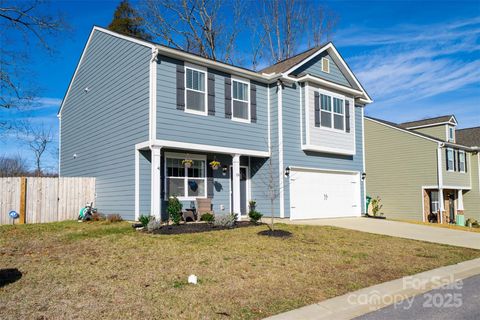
[401,230]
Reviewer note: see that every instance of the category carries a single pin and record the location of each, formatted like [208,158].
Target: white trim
[235,176]
[95,28]
[269,138]
[280,148]
[459,199]
[301,113]
[307,114]
[155,192]
[59,116]
[248,195]
[205,92]
[440,182]
[464,160]
[209,148]
[452,187]
[342,66]
[447,160]
[329,84]
[153,95]
[182,156]
[449,122]
[137,184]
[400,129]
[423,205]
[328,64]
[311,147]
[299,168]
[333,95]
[247,82]
[363,162]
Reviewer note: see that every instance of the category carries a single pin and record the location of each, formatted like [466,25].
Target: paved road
[400,229]
[456,301]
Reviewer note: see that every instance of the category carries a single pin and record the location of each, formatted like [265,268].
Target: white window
[325,65]
[195,93]
[186,183]
[450,160]
[240,100]
[434,201]
[461,160]
[332,117]
[451,133]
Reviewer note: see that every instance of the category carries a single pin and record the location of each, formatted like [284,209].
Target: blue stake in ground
[14,215]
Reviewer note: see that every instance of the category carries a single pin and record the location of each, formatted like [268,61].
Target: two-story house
[423,170]
[135,111]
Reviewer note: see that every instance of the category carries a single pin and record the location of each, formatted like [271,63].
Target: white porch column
[441,205]
[460,200]
[155,209]
[236,183]
[137,184]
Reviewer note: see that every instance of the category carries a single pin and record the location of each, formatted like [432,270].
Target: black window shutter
[210,182]
[180,87]
[253,103]
[466,154]
[446,158]
[211,94]
[455,167]
[228,97]
[347,116]
[317,109]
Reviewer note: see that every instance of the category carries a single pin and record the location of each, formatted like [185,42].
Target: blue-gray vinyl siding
[145,174]
[177,125]
[314,68]
[293,155]
[103,125]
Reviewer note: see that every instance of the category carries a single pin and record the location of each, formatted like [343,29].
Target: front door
[243,189]
[451,206]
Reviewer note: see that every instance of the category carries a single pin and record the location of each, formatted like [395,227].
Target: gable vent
[325,65]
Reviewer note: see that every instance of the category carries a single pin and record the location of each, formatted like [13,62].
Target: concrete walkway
[358,303]
[400,229]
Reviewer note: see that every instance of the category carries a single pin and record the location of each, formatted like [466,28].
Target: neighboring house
[423,168]
[134,110]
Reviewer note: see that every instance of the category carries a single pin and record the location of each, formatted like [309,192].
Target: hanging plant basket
[215,165]
[187,163]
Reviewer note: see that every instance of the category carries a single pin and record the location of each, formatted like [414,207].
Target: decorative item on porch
[187,163]
[215,164]
[224,170]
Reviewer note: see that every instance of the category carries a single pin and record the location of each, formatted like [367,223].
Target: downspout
[440,180]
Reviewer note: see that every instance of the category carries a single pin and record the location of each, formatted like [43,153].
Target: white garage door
[324,194]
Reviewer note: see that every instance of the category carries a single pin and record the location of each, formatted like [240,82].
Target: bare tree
[198,26]
[20,22]
[38,139]
[14,166]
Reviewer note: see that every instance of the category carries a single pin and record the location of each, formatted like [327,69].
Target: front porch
[160,172]
[442,205]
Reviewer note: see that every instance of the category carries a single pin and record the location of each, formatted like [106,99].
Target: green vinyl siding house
[135,110]
[424,170]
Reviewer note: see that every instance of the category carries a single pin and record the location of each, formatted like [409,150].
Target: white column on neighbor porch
[441,204]
[155,187]
[460,200]
[236,183]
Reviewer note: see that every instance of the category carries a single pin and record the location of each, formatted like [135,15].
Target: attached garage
[324,194]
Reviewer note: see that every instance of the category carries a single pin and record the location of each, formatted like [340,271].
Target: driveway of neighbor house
[400,229]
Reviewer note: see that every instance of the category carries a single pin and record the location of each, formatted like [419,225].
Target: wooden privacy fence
[40,200]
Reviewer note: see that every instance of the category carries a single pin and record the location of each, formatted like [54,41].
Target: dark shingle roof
[286,64]
[427,121]
[399,126]
[468,136]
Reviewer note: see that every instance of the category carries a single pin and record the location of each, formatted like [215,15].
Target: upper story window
[332,117]
[461,161]
[185,183]
[240,100]
[196,95]
[451,134]
[450,160]
[325,65]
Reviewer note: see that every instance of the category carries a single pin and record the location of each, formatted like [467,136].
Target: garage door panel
[321,194]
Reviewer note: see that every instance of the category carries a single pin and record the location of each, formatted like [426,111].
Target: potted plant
[187,163]
[215,164]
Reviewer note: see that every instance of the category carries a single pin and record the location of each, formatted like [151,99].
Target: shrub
[227,220]
[376,206]
[144,220]
[252,205]
[174,209]
[254,216]
[153,224]
[207,217]
[97,216]
[111,218]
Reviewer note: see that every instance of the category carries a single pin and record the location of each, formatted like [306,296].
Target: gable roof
[429,121]
[468,136]
[288,63]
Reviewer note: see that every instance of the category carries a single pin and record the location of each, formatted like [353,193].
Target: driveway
[401,230]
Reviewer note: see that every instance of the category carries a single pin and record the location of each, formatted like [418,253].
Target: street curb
[360,302]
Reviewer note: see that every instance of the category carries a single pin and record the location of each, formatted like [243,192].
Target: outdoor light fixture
[287,171]
[74,156]
[364,175]
[224,170]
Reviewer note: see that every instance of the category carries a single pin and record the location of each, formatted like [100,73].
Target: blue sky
[416,59]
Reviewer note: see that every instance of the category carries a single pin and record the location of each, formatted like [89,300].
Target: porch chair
[203,206]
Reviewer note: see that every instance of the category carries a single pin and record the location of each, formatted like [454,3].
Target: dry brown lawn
[76,270]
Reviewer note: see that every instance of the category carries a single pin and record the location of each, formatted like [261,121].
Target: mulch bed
[275,233]
[198,227]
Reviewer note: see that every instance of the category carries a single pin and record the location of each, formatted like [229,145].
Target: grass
[442,225]
[109,271]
